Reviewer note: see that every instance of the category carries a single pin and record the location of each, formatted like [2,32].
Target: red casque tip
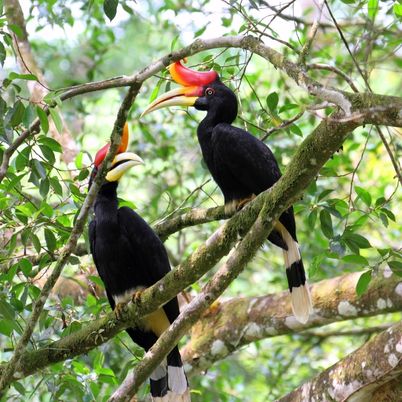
[100,155]
[187,77]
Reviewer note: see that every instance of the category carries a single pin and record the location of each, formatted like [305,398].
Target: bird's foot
[119,310]
[136,297]
[212,309]
[241,203]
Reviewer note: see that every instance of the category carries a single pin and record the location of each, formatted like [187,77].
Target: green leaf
[396,267]
[16,76]
[398,10]
[51,143]
[44,122]
[363,195]
[315,265]
[44,187]
[48,154]
[38,165]
[50,240]
[56,119]
[326,224]
[355,259]
[36,242]
[294,128]
[22,160]
[2,54]
[78,160]
[17,30]
[55,184]
[97,281]
[389,213]
[363,282]
[360,240]
[6,327]
[372,8]
[324,193]
[312,218]
[26,266]
[18,114]
[272,101]
[19,387]
[287,106]
[110,8]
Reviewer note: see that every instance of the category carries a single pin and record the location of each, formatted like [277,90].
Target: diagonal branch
[11,366]
[358,376]
[235,264]
[240,321]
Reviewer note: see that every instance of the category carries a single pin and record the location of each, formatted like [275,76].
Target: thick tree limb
[360,375]
[239,321]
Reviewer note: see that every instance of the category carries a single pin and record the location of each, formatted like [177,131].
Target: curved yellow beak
[184,96]
[121,163]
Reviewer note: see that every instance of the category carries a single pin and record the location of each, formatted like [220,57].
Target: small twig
[311,35]
[284,124]
[317,66]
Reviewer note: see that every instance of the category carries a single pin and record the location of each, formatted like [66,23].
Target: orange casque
[100,155]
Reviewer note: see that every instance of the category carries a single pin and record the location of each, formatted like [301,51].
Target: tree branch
[345,100]
[359,375]
[240,321]
[11,366]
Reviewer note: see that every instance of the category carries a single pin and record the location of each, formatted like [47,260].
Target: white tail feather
[177,379]
[173,397]
[301,303]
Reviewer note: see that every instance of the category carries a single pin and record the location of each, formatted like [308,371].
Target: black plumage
[129,257]
[241,164]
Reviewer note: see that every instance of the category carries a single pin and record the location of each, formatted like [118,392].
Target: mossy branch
[239,321]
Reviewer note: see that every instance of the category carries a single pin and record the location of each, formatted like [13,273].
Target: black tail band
[296,275]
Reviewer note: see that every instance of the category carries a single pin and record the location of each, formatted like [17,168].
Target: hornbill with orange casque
[130,257]
[242,165]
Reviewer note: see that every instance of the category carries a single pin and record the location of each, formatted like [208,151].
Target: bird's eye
[209,91]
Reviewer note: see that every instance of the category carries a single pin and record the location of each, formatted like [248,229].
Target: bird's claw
[213,309]
[136,297]
[241,203]
[119,310]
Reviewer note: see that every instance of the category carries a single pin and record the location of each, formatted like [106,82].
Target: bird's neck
[106,204]
[211,120]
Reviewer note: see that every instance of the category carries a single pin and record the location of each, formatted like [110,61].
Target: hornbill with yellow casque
[130,257]
[242,165]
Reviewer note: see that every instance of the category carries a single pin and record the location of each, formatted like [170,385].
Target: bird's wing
[248,158]
[251,162]
[153,253]
[92,242]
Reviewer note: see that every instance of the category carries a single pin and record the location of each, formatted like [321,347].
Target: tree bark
[240,321]
[371,373]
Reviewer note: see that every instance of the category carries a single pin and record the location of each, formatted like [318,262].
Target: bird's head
[122,162]
[203,90]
